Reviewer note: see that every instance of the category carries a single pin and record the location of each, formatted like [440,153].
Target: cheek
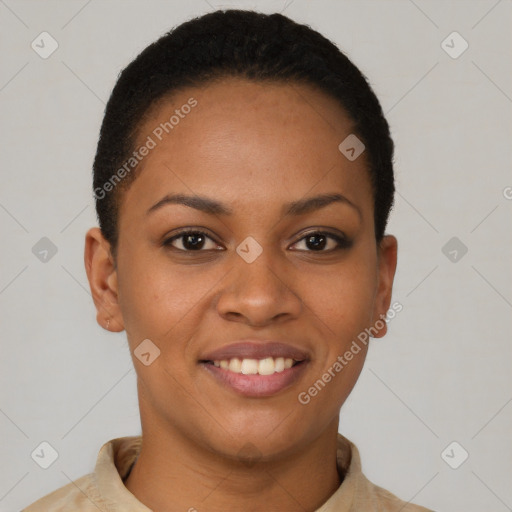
[341,302]
[157,299]
[343,297]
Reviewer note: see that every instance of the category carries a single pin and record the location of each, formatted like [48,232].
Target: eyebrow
[213,207]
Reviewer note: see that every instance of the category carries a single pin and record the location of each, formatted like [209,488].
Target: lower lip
[257,385]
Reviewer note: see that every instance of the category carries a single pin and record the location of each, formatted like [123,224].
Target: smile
[266,366]
[256,368]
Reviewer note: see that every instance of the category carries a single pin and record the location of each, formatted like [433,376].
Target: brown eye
[320,241]
[190,241]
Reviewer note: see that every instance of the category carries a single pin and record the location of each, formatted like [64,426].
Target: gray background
[442,374]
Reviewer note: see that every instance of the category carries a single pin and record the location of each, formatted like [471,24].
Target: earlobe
[387,260]
[102,277]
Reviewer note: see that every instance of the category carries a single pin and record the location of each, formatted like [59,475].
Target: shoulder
[80,495]
[103,489]
[384,501]
[357,492]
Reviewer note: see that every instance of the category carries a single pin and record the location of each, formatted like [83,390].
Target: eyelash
[343,243]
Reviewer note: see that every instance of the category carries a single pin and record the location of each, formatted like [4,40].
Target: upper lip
[256,349]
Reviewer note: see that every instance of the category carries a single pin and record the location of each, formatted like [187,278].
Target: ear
[102,276]
[387,258]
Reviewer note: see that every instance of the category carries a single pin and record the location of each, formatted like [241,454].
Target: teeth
[249,366]
[235,365]
[267,366]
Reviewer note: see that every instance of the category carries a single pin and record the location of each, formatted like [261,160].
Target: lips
[256,368]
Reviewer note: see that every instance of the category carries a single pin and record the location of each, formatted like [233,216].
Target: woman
[243,181]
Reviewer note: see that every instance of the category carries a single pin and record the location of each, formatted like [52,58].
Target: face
[254,277]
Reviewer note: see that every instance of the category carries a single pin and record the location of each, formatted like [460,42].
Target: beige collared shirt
[103,490]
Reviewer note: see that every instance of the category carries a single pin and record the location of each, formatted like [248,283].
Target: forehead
[244,141]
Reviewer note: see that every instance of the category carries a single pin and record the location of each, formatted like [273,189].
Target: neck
[174,473]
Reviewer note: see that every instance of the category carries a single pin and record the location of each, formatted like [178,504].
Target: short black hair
[236,43]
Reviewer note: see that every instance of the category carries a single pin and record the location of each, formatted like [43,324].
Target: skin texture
[253,147]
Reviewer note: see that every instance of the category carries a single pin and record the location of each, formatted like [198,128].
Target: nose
[259,293]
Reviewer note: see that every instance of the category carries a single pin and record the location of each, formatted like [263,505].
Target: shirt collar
[117,456]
